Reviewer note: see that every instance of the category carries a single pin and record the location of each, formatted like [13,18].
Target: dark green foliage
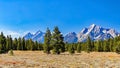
[100,46]
[89,45]
[118,48]
[19,46]
[79,48]
[40,46]
[71,49]
[15,44]
[107,46]
[111,45]
[2,43]
[57,41]
[47,40]
[8,44]
[23,44]
[66,46]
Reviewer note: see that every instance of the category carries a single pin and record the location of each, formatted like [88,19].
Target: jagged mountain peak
[28,36]
[38,36]
[70,37]
[92,26]
[38,32]
[72,33]
[96,33]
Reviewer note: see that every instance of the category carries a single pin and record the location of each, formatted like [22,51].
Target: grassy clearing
[38,59]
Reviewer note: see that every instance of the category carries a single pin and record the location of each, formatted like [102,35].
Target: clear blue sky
[19,16]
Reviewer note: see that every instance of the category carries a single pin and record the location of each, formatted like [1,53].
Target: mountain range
[95,32]
[38,36]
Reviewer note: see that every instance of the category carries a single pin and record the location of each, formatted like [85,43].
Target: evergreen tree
[40,46]
[23,44]
[7,44]
[15,44]
[118,48]
[31,44]
[93,46]
[19,47]
[111,45]
[115,44]
[2,42]
[79,48]
[36,45]
[66,46]
[11,42]
[100,47]
[57,41]
[47,39]
[89,45]
[71,49]
[107,46]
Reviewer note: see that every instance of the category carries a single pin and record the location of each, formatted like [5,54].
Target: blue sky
[20,16]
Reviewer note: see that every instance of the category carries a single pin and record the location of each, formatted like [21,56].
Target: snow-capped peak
[38,36]
[92,26]
[70,37]
[28,36]
[38,32]
[96,33]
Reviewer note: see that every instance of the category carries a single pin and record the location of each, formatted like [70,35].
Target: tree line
[54,43]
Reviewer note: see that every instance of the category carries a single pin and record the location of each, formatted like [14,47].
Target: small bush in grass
[11,52]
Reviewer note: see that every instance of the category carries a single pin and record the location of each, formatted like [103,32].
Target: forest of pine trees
[54,43]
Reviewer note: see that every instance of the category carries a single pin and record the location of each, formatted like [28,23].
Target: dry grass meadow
[38,59]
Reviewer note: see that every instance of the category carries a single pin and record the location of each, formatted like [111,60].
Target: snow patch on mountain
[96,33]
[38,36]
[71,37]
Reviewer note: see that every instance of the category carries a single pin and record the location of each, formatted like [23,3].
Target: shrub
[11,52]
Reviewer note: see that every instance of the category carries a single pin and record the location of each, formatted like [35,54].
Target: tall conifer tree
[47,40]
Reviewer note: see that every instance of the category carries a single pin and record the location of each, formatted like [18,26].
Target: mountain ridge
[95,32]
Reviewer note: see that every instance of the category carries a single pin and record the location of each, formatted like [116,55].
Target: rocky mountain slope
[95,32]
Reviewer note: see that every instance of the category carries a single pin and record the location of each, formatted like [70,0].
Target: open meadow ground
[38,59]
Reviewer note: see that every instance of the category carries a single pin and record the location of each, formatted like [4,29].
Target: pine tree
[2,42]
[66,46]
[15,44]
[93,46]
[118,48]
[115,44]
[40,46]
[111,45]
[31,44]
[89,45]
[107,46]
[23,44]
[35,45]
[79,48]
[100,47]
[71,49]
[47,40]
[19,47]
[57,41]
[7,44]
[11,42]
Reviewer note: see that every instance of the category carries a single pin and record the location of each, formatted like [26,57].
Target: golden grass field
[38,59]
